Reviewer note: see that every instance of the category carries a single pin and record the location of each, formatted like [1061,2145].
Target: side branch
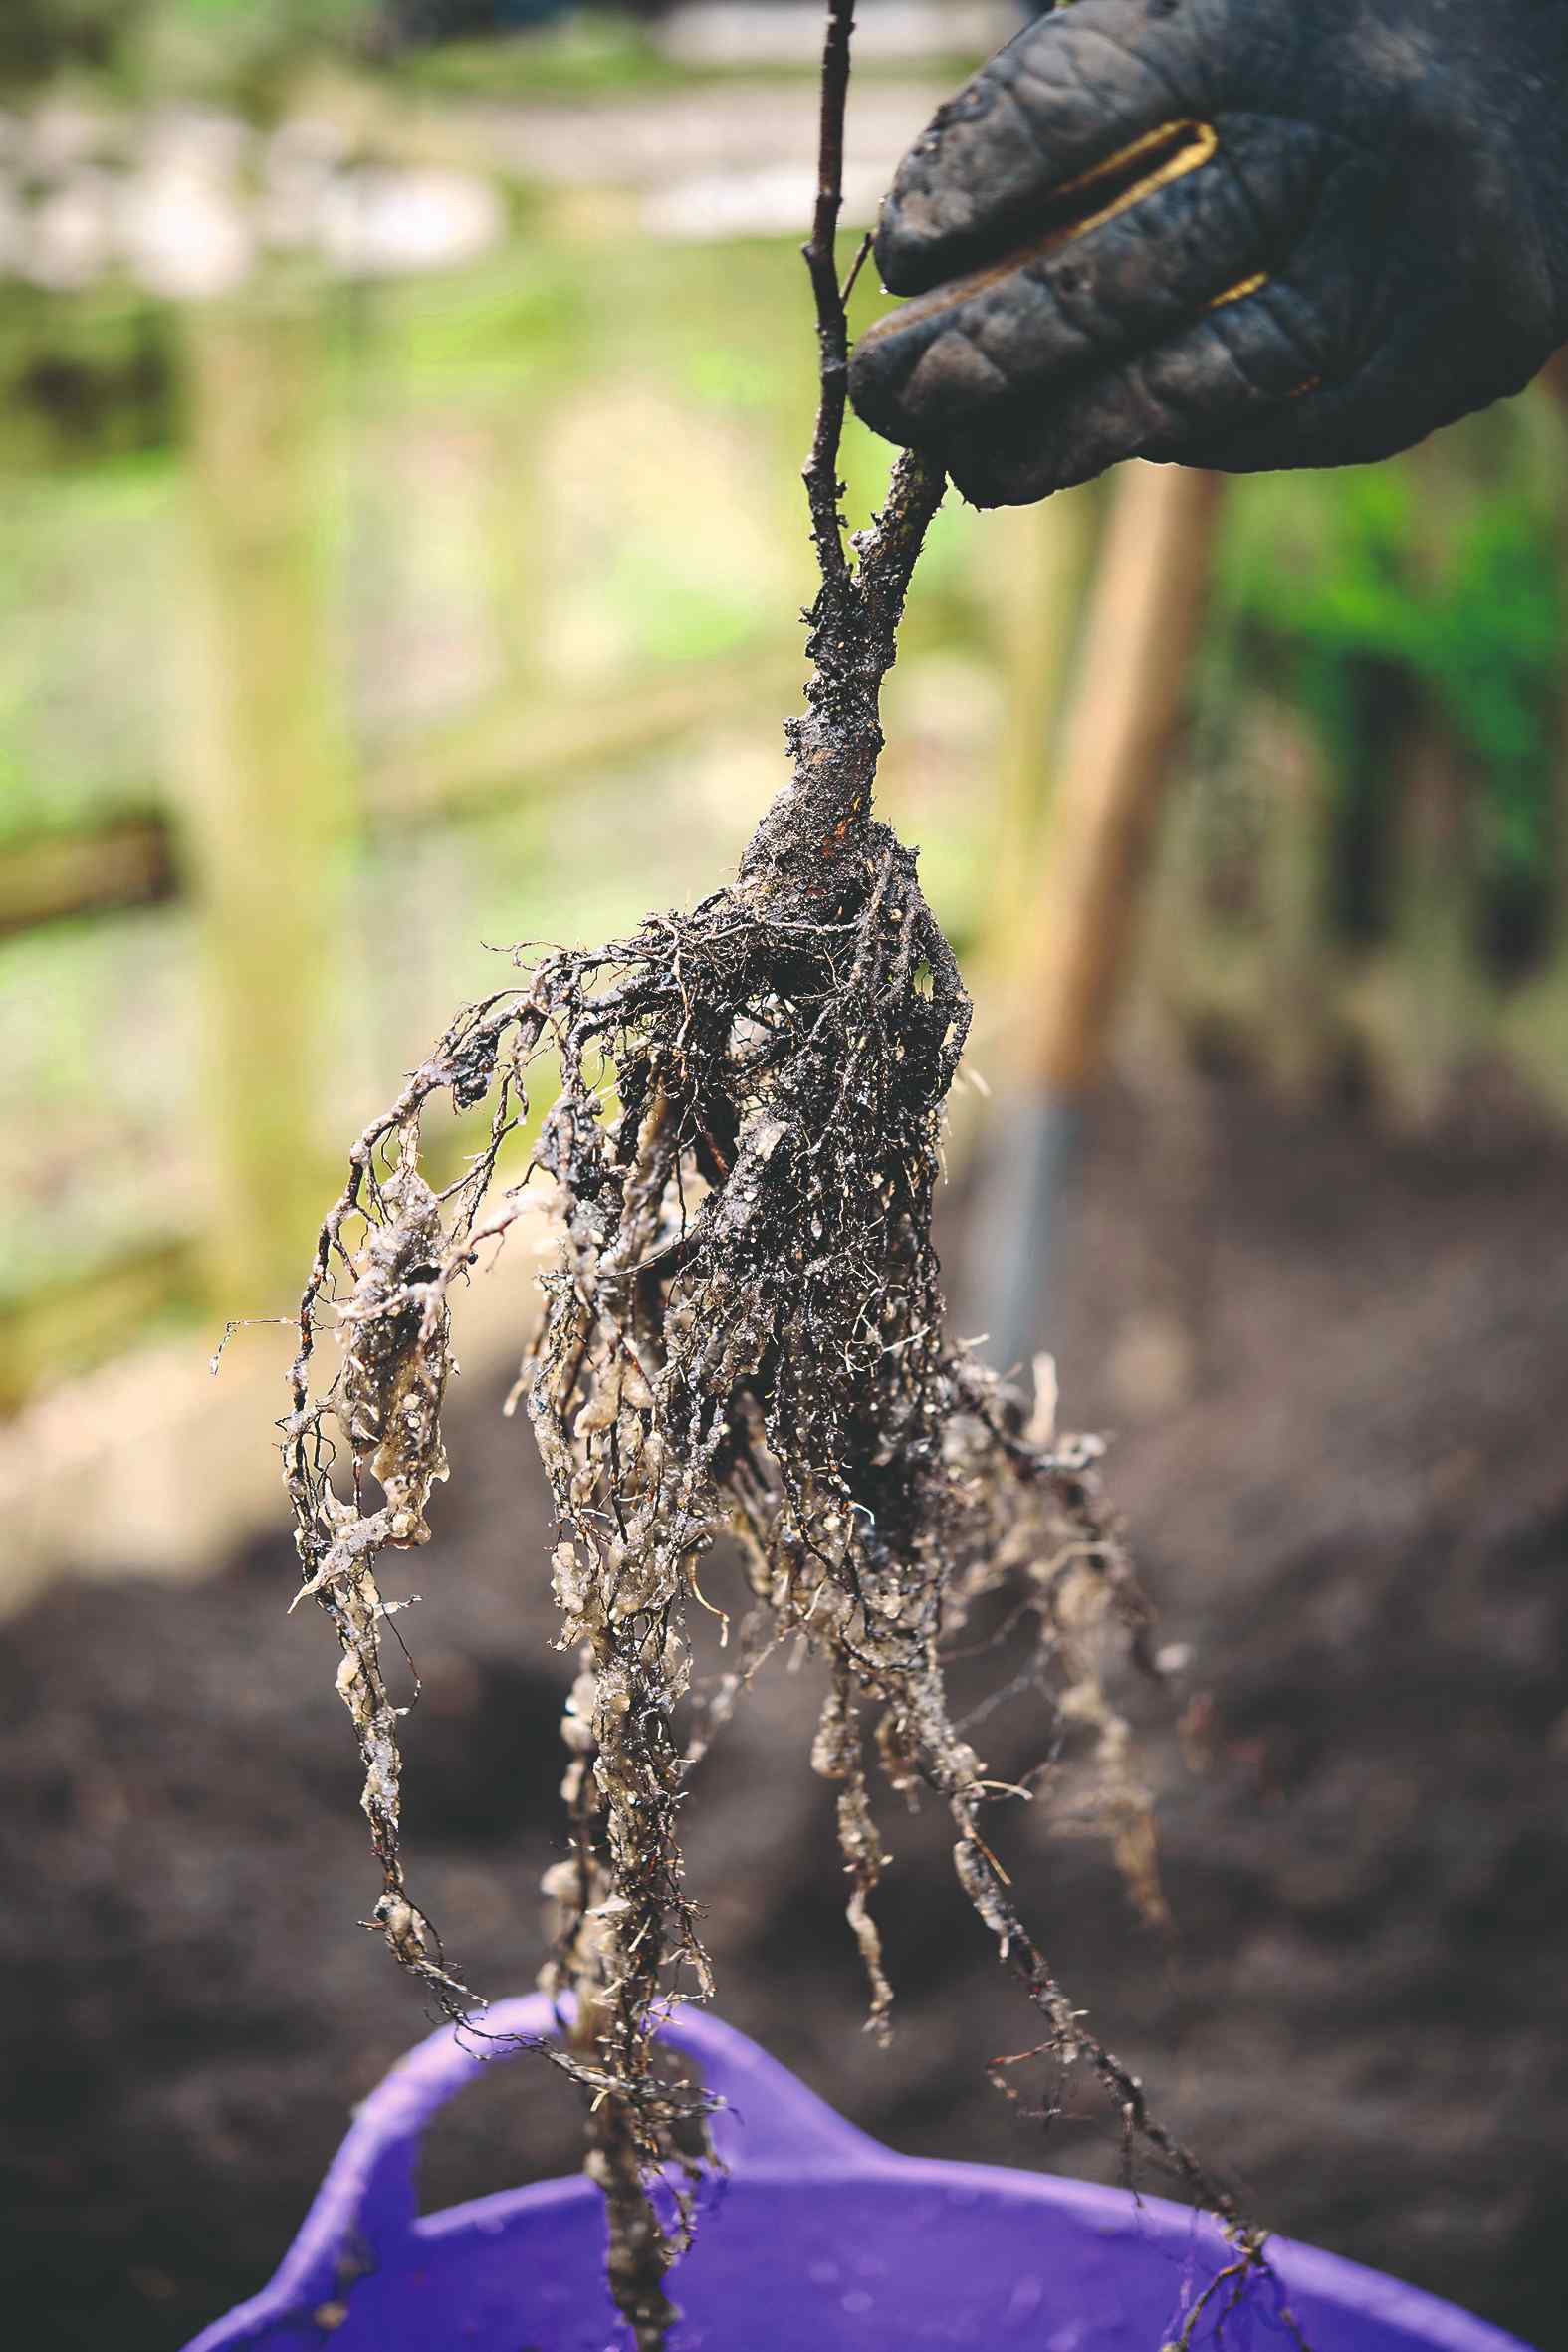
[890,549]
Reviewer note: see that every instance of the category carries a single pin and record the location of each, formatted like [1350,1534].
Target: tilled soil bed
[1358,1519]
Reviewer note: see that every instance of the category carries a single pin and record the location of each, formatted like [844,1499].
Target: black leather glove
[1241,233]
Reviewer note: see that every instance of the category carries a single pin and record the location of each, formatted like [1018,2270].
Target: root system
[743,1343]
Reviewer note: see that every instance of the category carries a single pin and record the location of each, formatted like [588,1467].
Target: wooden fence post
[1427,1000]
[1301,960]
[260,754]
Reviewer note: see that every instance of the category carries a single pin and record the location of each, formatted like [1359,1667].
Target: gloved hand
[1241,233]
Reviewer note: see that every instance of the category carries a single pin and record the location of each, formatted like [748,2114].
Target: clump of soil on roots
[743,1338]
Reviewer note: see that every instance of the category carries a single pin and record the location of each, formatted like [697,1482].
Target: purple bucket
[819,2240]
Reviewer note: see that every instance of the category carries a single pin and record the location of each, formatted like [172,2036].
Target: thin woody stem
[816,828]
[822,486]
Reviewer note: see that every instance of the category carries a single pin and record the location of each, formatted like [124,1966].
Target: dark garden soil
[1359,1519]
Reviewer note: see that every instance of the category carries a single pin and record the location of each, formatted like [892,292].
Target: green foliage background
[238,49]
[1436,579]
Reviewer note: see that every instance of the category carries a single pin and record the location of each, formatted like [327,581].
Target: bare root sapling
[741,1341]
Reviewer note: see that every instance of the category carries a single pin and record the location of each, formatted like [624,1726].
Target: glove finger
[1318,429]
[1238,368]
[1073,307]
[1406,390]
[1063,104]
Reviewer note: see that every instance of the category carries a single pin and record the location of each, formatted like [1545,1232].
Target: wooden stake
[1073,941]
[1044,560]
[1115,759]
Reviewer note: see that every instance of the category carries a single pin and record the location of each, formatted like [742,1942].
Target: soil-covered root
[743,1336]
